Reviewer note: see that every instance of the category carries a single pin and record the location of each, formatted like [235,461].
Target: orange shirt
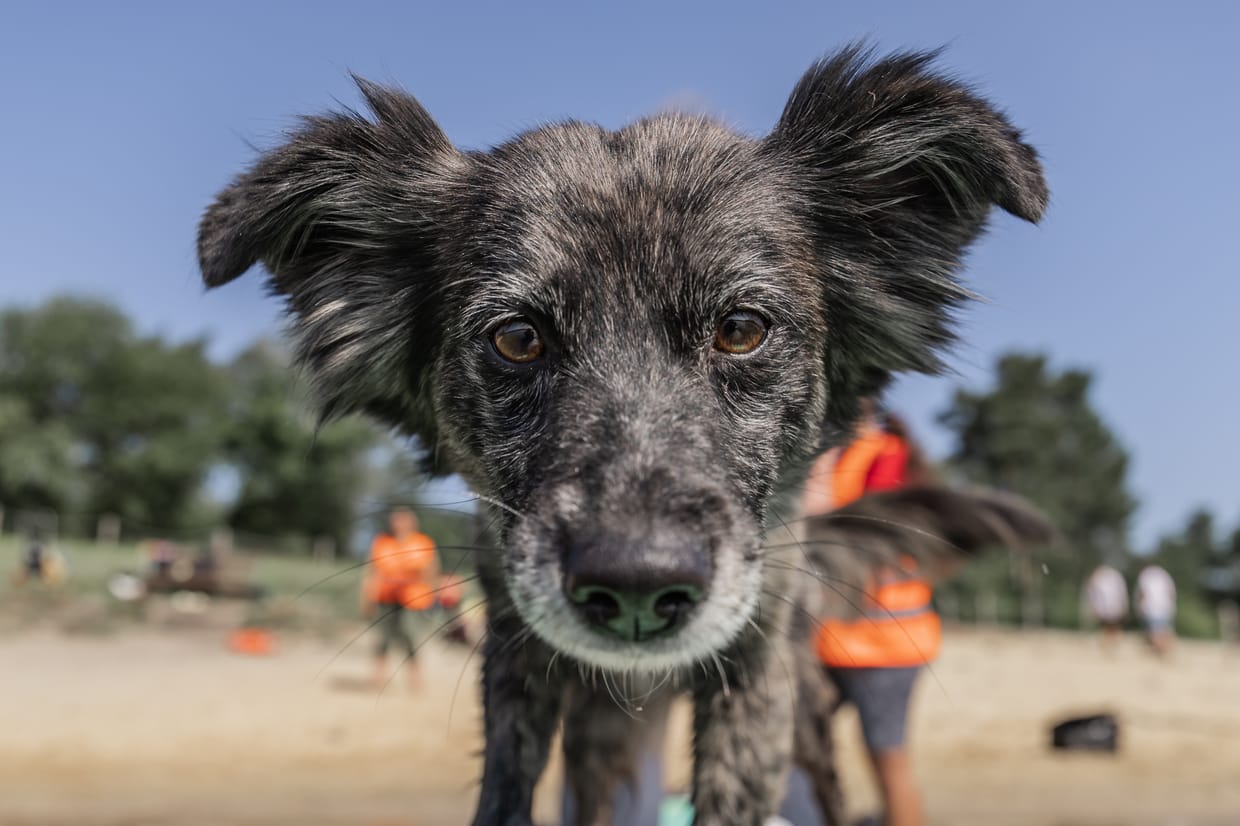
[399,571]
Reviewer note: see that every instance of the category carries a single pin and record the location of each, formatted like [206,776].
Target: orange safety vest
[398,571]
[853,467]
[897,627]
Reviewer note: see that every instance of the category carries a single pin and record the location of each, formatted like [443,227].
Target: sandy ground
[171,728]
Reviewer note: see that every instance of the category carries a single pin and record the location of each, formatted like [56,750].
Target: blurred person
[1106,598]
[881,456]
[875,660]
[34,559]
[162,555]
[401,576]
[1155,602]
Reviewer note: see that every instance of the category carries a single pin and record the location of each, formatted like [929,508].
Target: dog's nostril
[599,605]
[671,604]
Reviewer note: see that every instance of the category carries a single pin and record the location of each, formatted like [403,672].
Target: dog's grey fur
[632,436]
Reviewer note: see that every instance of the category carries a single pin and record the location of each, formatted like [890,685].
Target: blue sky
[122,119]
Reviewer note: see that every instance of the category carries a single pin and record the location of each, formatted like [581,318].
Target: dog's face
[631,341]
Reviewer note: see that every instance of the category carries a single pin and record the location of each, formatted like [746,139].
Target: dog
[631,344]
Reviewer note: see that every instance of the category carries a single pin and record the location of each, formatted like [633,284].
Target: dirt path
[171,728]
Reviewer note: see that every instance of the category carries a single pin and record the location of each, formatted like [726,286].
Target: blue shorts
[1157,625]
[881,696]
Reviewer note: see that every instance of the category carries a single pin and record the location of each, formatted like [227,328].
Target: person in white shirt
[1155,598]
[1106,595]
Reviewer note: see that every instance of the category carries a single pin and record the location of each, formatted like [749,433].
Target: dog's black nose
[636,593]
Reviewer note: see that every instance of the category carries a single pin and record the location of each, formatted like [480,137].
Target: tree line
[98,420]
[1035,432]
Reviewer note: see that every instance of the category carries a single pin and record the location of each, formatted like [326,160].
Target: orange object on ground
[399,569]
[897,627]
[256,642]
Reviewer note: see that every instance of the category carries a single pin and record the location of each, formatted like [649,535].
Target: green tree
[1188,556]
[1036,433]
[299,478]
[37,468]
[97,419]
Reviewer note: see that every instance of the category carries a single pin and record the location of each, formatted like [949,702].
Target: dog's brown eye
[517,341]
[740,332]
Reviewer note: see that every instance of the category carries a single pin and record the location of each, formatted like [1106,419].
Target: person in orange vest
[876,658]
[401,576]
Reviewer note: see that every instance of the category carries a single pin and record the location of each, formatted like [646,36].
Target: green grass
[301,593]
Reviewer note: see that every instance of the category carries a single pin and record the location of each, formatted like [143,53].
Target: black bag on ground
[1098,732]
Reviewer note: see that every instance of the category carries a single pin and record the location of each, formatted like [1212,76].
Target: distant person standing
[163,555]
[41,562]
[401,576]
[1106,595]
[1155,599]
[34,560]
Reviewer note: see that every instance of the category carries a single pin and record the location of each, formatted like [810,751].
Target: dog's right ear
[344,217]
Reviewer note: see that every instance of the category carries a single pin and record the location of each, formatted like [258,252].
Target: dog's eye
[740,332]
[517,341]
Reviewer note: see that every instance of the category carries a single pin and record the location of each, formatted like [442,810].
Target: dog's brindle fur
[632,437]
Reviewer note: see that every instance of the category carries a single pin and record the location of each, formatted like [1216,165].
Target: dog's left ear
[939,527]
[895,168]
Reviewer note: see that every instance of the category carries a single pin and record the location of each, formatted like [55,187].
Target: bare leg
[901,799]
[413,675]
[521,706]
[813,748]
[1162,640]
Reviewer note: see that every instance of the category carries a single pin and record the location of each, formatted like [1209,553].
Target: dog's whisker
[482,638]
[417,648]
[783,664]
[555,655]
[501,505]
[370,562]
[370,626]
[723,677]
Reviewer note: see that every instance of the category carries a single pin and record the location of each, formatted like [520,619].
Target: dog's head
[632,341]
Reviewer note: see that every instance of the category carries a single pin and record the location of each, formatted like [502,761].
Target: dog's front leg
[605,746]
[521,706]
[742,749]
[814,750]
